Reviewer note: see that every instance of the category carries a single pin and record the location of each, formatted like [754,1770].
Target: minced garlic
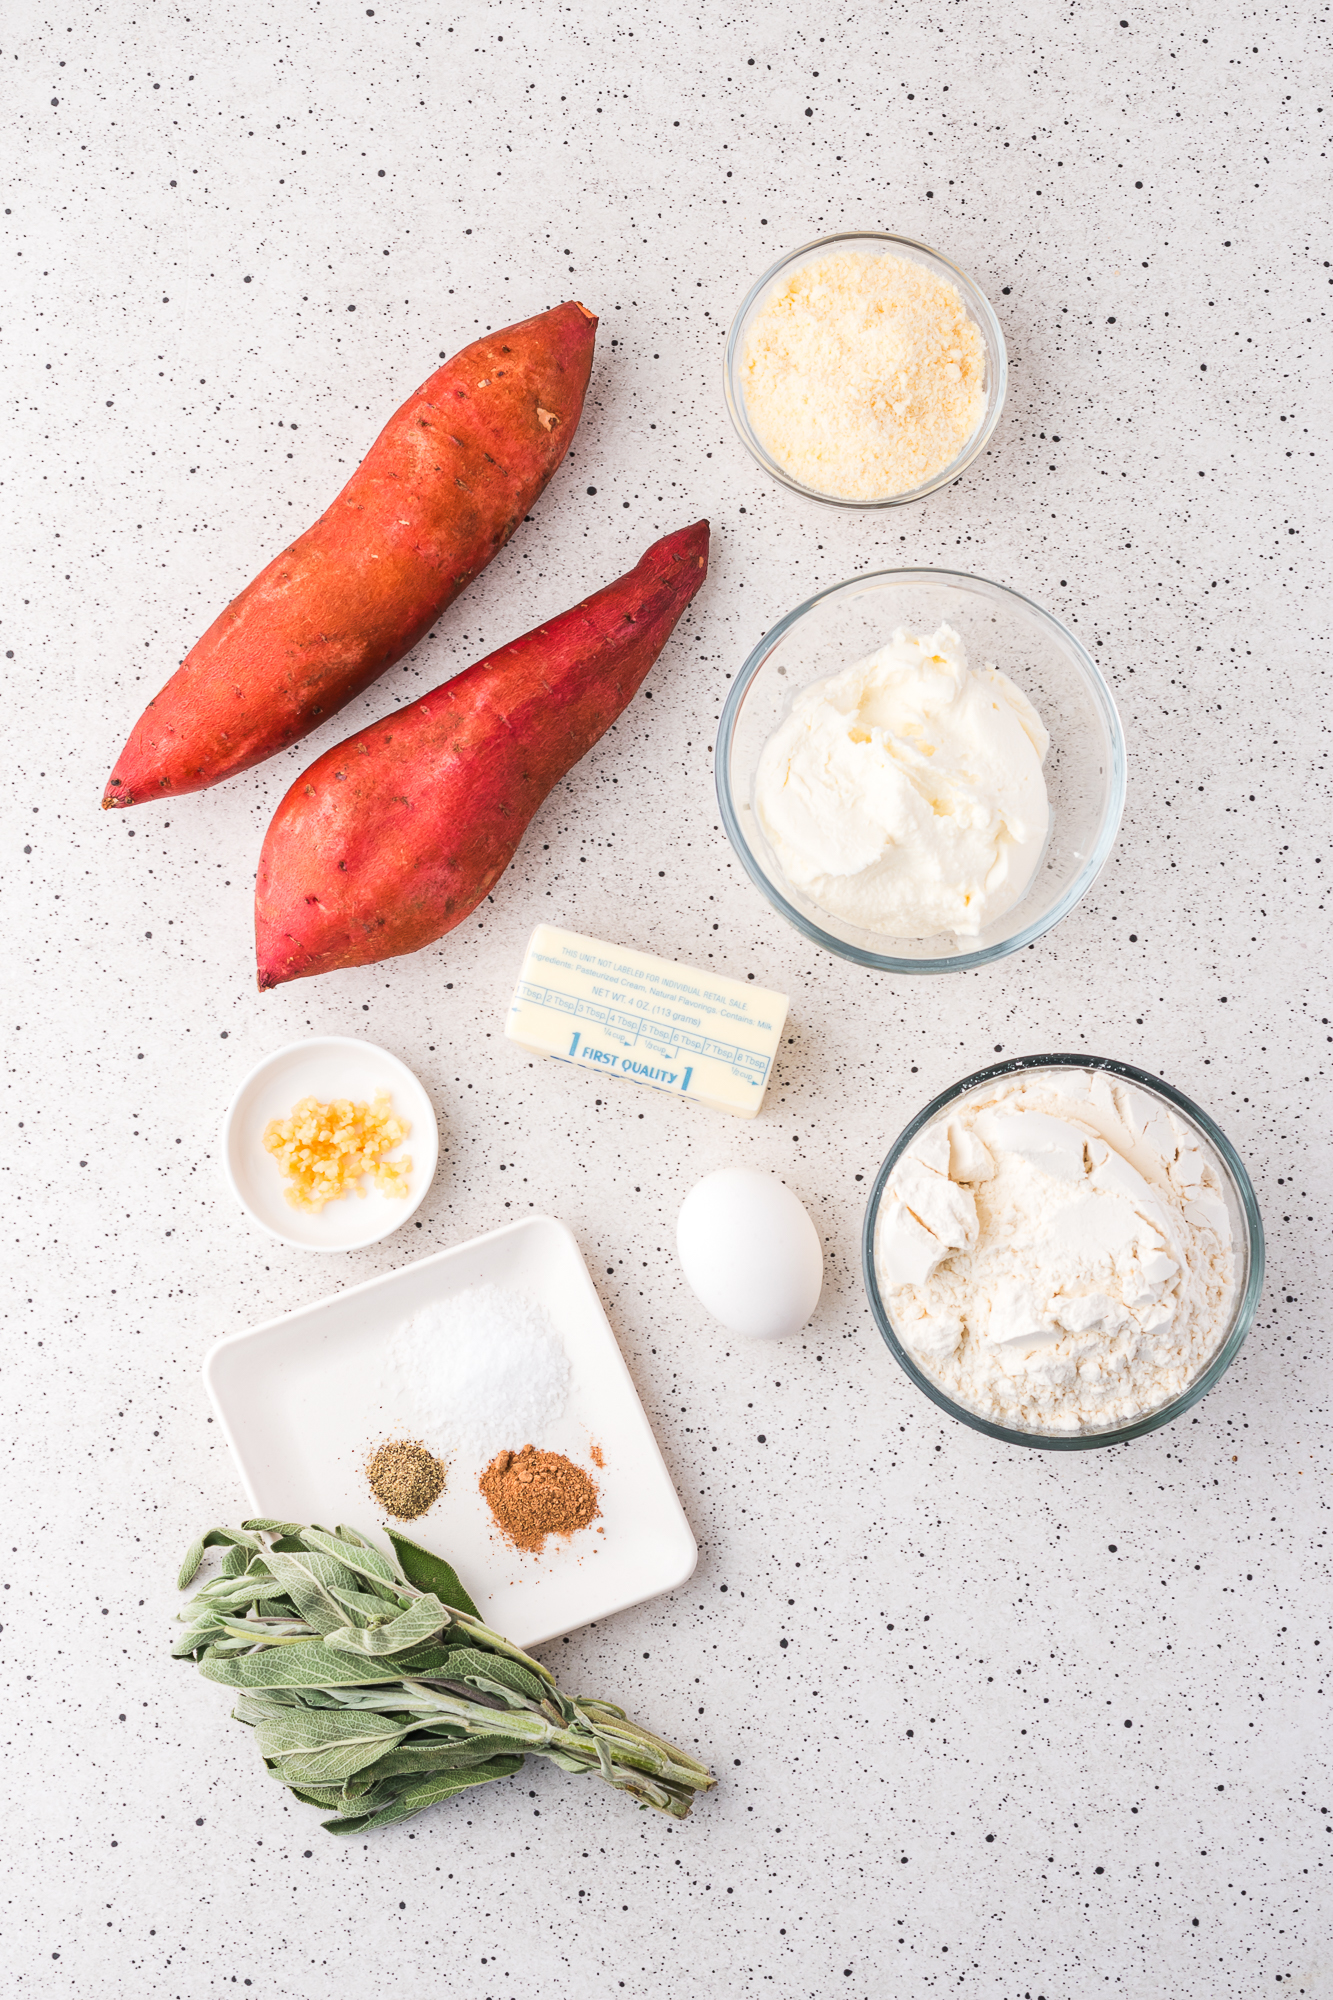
[325,1149]
[864,375]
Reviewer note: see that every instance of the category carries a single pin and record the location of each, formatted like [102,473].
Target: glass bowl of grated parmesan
[1063,1251]
[865,370]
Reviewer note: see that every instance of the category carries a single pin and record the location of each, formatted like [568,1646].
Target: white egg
[750,1252]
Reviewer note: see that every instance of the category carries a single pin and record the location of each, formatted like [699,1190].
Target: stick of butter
[625,1013]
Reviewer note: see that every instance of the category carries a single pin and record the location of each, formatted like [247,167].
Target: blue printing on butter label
[630,1030]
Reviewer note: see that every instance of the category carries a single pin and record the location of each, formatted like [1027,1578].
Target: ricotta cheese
[1056,1253]
[905,794]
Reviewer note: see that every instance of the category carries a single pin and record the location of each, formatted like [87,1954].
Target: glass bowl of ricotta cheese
[922,770]
[1064,1252]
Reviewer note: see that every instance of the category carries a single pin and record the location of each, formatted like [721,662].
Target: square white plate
[302,1404]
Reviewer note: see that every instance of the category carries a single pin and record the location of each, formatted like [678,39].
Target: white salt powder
[478,1373]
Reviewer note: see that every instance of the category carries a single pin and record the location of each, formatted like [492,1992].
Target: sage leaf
[422,1621]
[389,1697]
[289,1730]
[315,1665]
[256,1634]
[308,1579]
[231,1594]
[567,1761]
[370,1608]
[215,1538]
[495,1642]
[394,1590]
[322,1767]
[254,1708]
[420,1759]
[264,1607]
[496,1674]
[363,1794]
[417,1798]
[359,1557]
[208,1620]
[323,1746]
[432,1573]
[189,1649]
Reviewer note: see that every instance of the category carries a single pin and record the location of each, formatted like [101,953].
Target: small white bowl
[325,1067]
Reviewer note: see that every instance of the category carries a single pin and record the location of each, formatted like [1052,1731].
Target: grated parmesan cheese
[864,375]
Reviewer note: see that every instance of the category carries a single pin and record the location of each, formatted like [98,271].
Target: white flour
[1057,1254]
[481,1372]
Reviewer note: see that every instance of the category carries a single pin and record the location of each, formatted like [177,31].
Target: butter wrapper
[622,1012]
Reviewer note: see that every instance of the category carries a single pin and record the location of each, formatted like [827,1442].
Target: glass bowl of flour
[1063,1251]
[993,779]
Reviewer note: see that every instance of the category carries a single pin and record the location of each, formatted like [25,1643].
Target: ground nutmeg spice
[533,1494]
[405,1478]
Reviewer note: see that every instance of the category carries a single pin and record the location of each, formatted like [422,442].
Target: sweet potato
[443,487]
[390,839]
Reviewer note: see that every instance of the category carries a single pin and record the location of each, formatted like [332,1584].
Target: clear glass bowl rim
[978,304]
[1243,1312]
[968,961]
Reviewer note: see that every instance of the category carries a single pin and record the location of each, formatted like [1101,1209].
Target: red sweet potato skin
[443,487]
[393,837]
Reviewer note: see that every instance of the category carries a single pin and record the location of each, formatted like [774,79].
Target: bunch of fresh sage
[375,1690]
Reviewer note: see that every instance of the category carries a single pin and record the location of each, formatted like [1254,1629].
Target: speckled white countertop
[986,1721]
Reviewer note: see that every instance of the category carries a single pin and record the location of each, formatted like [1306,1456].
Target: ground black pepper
[405,1478]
